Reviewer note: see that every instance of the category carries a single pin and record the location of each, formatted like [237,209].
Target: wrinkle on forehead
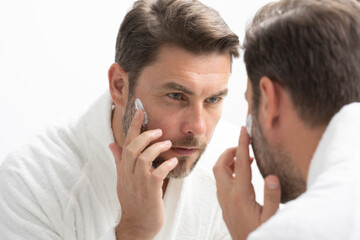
[198,76]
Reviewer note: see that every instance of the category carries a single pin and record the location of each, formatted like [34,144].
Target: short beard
[129,114]
[181,170]
[274,161]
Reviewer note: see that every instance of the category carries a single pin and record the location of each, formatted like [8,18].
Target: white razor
[139,106]
[249,124]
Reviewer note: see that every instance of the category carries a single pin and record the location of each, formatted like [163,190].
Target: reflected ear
[269,103]
[118,84]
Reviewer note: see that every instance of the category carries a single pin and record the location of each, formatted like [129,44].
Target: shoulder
[57,148]
[36,180]
[310,216]
[46,162]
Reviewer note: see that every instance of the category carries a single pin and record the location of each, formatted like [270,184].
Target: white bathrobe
[62,185]
[330,207]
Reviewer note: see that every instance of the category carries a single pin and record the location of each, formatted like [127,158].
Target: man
[302,60]
[175,56]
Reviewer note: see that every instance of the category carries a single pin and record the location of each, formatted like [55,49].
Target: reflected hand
[236,195]
[139,185]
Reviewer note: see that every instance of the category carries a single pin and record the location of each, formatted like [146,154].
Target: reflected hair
[187,24]
[312,49]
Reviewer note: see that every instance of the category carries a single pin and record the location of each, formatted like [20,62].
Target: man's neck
[303,146]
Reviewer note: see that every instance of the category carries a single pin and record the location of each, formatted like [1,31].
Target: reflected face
[274,160]
[182,94]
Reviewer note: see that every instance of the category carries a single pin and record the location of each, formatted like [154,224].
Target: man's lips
[184,151]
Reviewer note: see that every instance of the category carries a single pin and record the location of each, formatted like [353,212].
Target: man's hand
[139,185]
[241,213]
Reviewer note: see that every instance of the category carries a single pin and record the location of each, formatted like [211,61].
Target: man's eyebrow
[177,87]
[221,93]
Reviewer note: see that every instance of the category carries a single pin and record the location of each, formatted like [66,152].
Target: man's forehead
[172,58]
[181,79]
[187,72]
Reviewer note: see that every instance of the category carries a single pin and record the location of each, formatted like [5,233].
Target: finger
[144,161]
[242,163]
[223,169]
[161,172]
[272,195]
[135,127]
[117,153]
[139,143]
[227,157]
[133,150]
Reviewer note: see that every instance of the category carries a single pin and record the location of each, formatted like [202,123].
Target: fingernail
[136,114]
[167,143]
[172,161]
[271,184]
[243,130]
[157,132]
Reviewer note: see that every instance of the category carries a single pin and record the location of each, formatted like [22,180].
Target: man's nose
[194,120]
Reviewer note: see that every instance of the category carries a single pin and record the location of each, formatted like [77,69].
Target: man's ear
[269,103]
[118,84]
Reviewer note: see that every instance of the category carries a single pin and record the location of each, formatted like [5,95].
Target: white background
[54,57]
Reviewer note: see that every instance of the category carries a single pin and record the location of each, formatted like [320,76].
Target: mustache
[189,141]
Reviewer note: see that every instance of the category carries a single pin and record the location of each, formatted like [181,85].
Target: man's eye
[213,99]
[175,95]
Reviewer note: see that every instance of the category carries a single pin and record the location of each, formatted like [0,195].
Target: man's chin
[183,168]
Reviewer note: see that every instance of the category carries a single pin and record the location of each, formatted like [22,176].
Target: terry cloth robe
[62,185]
[330,207]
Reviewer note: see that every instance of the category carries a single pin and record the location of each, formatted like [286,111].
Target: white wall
[54,57]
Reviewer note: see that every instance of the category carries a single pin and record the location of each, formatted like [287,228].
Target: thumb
[117,153]
[272,195]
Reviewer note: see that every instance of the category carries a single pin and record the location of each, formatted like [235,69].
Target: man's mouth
[184,151]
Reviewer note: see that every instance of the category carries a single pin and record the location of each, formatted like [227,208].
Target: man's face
[182,94]
[273,159]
